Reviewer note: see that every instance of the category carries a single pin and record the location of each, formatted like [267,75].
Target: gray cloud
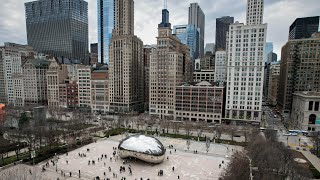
[279,14]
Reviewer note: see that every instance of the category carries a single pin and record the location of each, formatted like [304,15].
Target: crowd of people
[125,169]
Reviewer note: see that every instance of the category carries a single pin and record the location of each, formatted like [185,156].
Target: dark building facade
[299,69]
[94,53]
[94,48]
[304,27]
[222,27]
[58,28]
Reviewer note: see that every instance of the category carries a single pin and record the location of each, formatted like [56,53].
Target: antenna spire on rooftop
[165,4]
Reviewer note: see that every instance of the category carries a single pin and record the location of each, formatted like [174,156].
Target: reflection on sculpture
[145,148]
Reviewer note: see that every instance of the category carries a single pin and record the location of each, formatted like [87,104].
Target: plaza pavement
[188,165]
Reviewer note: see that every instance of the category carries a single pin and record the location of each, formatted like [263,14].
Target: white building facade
[220,67]
[305,114]
[245,66]
[84,87]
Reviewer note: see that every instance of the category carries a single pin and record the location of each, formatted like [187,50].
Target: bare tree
[188,127]
[231,131]
[217,132]
[238,168]
[176,126]
[200,128]
[246,130]
[271,135]
[165,124]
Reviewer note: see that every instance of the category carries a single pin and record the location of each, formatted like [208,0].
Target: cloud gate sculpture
[145,148]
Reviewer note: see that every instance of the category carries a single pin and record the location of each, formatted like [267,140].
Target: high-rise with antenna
[165,16]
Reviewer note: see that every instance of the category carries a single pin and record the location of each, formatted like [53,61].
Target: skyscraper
[304,27]
[94,53]
[188,35]
[170,66]
[269,49]
[222,27]
[272,57]
[106,18]
[255,12]
[59,28]
[125,61]
[245,66]
[220,67]
[197,18]
[210,47]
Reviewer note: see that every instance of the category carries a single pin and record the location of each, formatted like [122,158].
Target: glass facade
[304,27]
[190,36]
[222,28]
[268,50]
[106,20]
[59,28]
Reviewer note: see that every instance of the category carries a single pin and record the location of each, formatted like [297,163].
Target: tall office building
[94,53]
[220,67]
[12,56]
[222,28]
[207,62]
[58,28]
[99,90]
[106,18]
[299,69]
[189,35]
[272,57]
[304,27]
[147,49]
[245,66]
[274,82]
[197,18]
[210,47]
[255,12]
[269,49]
[170,66]
[125,61]
[56,75]
[35,81]
[84,87]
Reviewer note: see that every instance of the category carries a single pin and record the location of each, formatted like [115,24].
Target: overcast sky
[279,14]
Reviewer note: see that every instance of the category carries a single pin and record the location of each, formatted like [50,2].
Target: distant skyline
[279,14]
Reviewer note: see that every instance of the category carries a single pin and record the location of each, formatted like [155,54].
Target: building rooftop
[39,62]
[308,94]
[202,83]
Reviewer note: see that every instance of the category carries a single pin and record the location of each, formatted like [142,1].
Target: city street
[295,142]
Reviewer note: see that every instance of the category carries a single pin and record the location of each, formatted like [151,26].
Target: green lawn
[12,159]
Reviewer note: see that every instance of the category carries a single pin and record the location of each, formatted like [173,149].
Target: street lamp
[56,161]
[17,151]
[207,144]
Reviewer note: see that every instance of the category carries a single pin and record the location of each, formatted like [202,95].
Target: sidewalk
[315,161]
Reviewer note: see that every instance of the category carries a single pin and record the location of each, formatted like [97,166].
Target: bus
[299,132]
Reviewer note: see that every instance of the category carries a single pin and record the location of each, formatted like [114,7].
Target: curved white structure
[145,148]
